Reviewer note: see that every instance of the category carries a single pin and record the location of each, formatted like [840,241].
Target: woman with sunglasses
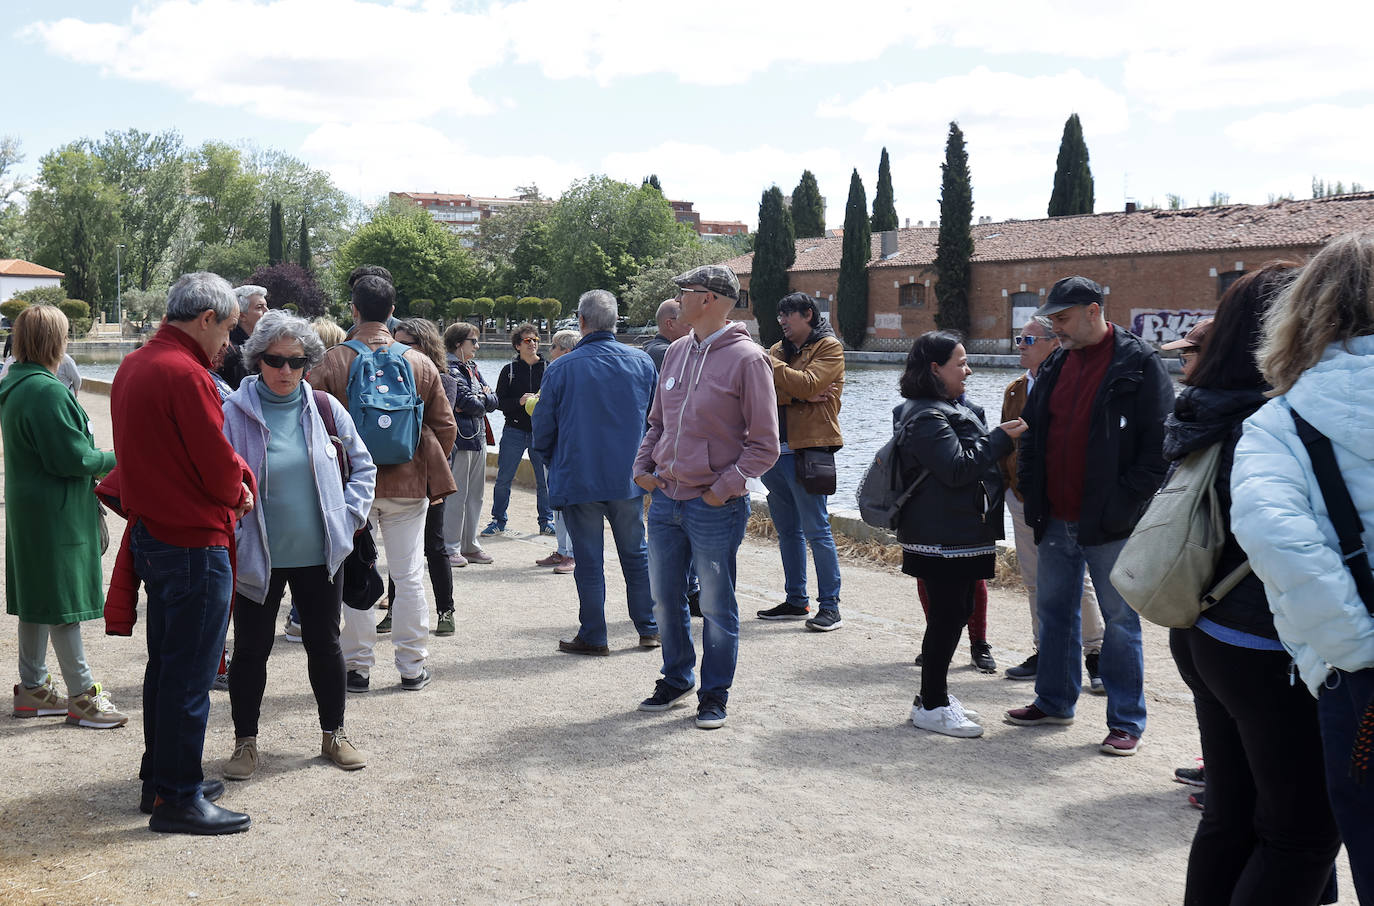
[298,535]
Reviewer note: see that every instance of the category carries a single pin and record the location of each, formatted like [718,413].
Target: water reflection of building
[1162,269]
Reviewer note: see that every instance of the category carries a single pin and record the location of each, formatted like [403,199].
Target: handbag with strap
[330,428]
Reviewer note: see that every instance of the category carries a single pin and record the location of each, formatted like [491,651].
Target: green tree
[1073,180]
[528,308]
[954,246]
[505,308]
[808,208]
[512,248]
[78,317]
[303,246]
[852,290]
[460,307]
[425,259]
[652,180]
[73,214]
[225,199]
[144,306]
[42,295]
[275,228]
[482,309]
[775,250]
[12,188]
[11,308]
[422,308]
[550,309]
[654,283]
[884,206]
[152,173]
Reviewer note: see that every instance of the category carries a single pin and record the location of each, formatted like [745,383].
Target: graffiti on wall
[1164,326]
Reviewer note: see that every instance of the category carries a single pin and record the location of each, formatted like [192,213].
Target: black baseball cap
[1069,292]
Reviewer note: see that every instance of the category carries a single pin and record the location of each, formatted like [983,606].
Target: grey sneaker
[385,625]
[357,681]
[417,682]
[784,612]
[1090,666]
[825,621]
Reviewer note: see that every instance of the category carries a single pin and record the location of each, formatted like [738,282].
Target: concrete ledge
[99,388]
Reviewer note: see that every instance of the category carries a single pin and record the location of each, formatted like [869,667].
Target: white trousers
[401,521]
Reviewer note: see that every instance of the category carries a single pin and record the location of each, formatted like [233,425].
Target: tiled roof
[17,267]
[1282,224]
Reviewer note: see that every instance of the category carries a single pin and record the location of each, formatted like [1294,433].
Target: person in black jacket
[1087,469]
[950,526]
[252,306]
[475,399]
[1262,836]
[518,382]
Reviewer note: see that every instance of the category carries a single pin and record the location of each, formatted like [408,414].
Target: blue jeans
[682,532]
[188,612]
[514,443]
[589,544]
[1059,591]
[801,519]
[1342,703]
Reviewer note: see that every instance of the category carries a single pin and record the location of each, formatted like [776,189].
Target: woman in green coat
[52,530]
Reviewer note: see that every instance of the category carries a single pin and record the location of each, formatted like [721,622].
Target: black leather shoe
[576,645]
[210,789]
[197,817]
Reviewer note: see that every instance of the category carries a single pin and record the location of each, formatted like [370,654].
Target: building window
[743,300]
[912,295]
[1225,279]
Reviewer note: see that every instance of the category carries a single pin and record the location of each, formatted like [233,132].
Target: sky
[720,98]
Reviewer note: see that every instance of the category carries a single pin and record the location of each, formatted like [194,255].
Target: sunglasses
[1030,341]
[534,340]
[296,362]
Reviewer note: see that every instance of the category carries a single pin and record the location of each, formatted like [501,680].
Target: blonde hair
[566,339]
[328,330]
[40,336]
[1330,301]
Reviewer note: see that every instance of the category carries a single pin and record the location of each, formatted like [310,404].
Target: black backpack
[881,493]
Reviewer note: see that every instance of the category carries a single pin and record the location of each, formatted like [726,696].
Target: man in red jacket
[183,487]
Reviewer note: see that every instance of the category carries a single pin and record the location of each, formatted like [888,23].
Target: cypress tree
[884,208]
[852,293]
[303,250]
[275,237]
[954,248]
[808,209]
[1073,180]
[775,249]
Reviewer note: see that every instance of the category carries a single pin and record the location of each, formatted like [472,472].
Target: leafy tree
[852,291]
[288,283]
[1073,180]
[145,305]
[884,206]
[513,249]
[460,307]
[78,317]
[422,308]
[425,259]
[11,307]
[1323,189]
[954,246]
[652,180]
[1219,198]
[42,295]
[225,198]
[550,309]
[1175,202]
[73,214]
[152,173]
[303,246]
[505,308]
[275,254]
[11,189]
[654,283]
[528,307]
[775,249]
[808,208]
[482,309]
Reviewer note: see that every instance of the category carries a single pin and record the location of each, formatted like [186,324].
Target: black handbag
[362,584]
[815,470]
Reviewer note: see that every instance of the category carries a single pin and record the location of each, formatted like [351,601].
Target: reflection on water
[865,418]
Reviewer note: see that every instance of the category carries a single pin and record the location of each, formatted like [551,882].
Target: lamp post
[119,289]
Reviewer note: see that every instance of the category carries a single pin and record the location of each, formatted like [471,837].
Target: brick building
[1162,270]
[460,214]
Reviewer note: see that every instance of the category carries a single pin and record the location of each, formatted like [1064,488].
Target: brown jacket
[1013,404]
[428,474]
[817,365]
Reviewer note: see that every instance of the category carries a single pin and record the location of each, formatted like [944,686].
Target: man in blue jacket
[593,406]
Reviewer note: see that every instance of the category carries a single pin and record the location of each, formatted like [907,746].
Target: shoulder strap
[357,346]
[1339,507]
[326,412]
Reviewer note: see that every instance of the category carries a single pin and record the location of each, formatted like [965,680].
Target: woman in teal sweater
[52,530]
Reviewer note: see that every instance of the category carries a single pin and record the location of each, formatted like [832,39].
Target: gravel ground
[525,775]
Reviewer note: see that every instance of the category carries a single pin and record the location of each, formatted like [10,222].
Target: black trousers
[317,597]
[1267,834]
[951,604]
[436,559]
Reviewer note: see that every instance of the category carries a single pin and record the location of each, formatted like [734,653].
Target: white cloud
[1345,135]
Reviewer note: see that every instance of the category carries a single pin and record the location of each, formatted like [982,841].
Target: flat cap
[1069,292]
[716,278]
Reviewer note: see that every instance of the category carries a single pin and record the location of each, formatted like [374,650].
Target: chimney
[908,223]
[889,243]
[1130,207]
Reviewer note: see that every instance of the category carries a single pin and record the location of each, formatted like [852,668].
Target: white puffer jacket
[1279,516]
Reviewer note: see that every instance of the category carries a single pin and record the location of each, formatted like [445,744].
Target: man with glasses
[1189,345]
[252,306]
[1035,343]
[713,425]
[519,381]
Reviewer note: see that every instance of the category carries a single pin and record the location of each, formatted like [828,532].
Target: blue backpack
[383,401]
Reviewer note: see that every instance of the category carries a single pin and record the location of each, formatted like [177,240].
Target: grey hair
[248,291]
[667,310]
[566,339]
[279,324]
[1045,324]
[198,292]
[597,309]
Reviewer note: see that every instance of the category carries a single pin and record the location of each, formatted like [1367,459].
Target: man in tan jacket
[404,493]
[808,375]
[1035,343]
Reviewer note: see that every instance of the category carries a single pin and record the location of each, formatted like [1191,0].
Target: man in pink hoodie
[713,425]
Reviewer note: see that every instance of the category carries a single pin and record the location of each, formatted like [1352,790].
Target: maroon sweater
[1071,406]
[178,473]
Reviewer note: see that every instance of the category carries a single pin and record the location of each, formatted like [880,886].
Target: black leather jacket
[472,405]
[1125,465]
[960,502]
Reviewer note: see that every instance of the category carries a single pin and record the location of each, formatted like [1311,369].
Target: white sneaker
[292,630]
[971,715]
[950,720]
